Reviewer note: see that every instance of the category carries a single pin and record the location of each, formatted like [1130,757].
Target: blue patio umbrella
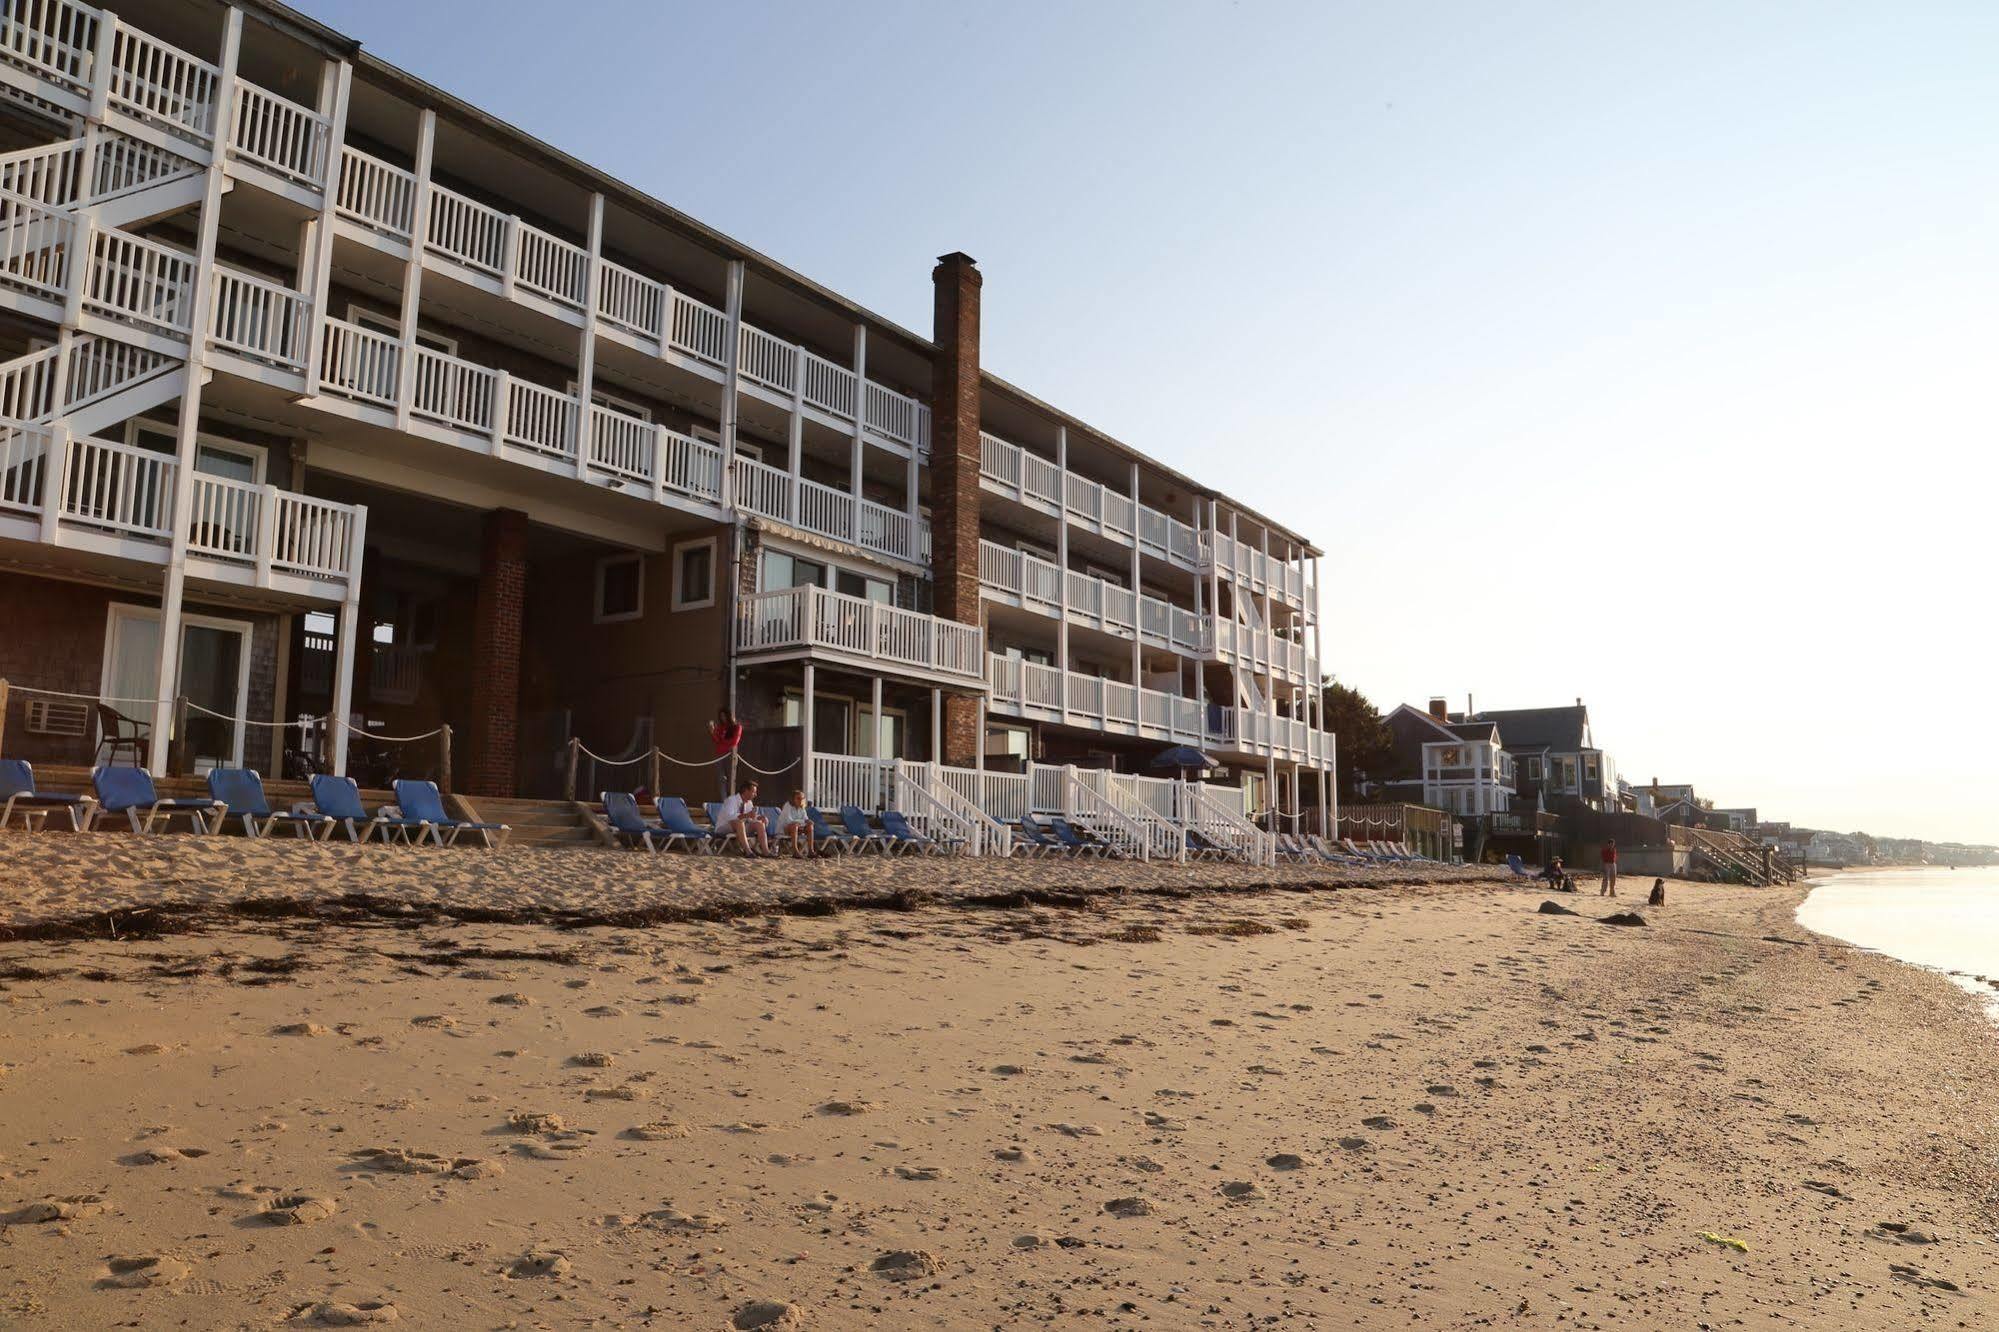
[1183,757]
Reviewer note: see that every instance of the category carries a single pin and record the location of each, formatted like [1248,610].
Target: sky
[1636,353]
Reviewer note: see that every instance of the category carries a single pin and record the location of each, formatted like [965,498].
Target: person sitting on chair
[794,825]
[741,821]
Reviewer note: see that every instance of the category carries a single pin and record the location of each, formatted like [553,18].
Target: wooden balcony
[861,635]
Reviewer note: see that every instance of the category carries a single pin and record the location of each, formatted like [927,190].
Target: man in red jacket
[1609,870]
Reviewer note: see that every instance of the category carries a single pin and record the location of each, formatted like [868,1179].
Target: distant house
[1554,755]
[1740,819]
[1448,764]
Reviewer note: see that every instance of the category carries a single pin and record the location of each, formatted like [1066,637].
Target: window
[611,402]
[694,575]
[1589,767]
[620,588]
[368,319]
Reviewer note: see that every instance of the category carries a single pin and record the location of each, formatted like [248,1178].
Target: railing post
[101,63]
[55,474]
[652,773]
[267,532]
[503,401]
[662,447]
[569,780]
[444,758]
[177,746]
[510,256]
[78,258]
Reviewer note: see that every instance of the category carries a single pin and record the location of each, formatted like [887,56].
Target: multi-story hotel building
[325,394]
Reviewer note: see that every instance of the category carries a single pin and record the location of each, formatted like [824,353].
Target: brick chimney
[954,474]
[1440,709]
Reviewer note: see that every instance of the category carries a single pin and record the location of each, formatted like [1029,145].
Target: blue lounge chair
[339,799]
[17,786]
[241,792]
[1035,842]
[723,840]
[621,811]
[902,836]
[421,801]
[673,814]
[1075,842]
[863,832]
[825,834]
[1329,853]
[1517,865]
[1200,847]
[130,791]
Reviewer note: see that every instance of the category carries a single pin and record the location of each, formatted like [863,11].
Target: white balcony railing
[821,509]
[280,135]
[376,194]
[140,281]
[118,488]
[36,242]
[813,618]
[1093,601]
[162,84]
[259,318]
[1036,481]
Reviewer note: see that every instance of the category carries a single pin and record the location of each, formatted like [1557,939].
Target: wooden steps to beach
[536,822]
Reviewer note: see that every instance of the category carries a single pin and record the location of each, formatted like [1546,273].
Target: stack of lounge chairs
[854,833]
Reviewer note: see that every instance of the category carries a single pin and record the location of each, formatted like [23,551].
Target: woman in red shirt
[727,733]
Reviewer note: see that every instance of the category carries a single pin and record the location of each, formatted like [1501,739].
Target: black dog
[1658,897]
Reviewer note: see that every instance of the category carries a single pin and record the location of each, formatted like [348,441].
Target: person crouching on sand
[794,826]
[741,821]
[1609,869]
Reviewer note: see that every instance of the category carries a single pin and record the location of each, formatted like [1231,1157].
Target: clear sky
[1637,352]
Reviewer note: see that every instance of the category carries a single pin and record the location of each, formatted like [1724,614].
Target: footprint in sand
[1829,1190]
[593,1059]
[336,1314]
[1379,1122]
[1242,1191]
[139,1273]
[695,1223]
[1357,1144]
[659,1130]
[1128,1207]
[856,1107]
[438,1020]
[299,1029]
[627,1092]
[920,1174]
[1013,1155]
[70,1208]
[162,1155]
[512,997]
[298,1209]
[1441,1089]
[1286,1161]
[531,1122]
[1078,1130]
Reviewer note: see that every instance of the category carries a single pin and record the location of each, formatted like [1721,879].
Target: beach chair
[825,834]
[240,791]
[339,799]
[1076,843]
[119,734]
[1330,853]
[130,791]
[864,833]
[1034,841]
[421,800]
[674,816]
[17,786]
[621,812]
[1291,848]
[1200,847]
[896,825]
[1517,865]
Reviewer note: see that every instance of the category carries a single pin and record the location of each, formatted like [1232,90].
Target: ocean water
[1938,918]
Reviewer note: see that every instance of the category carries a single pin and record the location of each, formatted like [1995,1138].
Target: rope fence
[652,758]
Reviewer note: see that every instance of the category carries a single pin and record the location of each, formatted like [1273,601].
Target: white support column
[345,650]
[175,580]
[805,761]
[426,146]
[936,726]
[335,86]
[912,489]
[1269,644]
[586,351]
[731,355]
[794,438]
[875,736]
[1137,600]
[857,456]
[1062,563]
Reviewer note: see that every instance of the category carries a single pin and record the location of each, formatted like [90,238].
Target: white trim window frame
[381,323]
[598,615]
[680,554]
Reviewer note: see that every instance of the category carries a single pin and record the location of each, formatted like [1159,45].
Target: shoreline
[1180,1108]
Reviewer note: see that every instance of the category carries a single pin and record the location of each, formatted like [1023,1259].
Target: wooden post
[569,784]
[177,745]
[652,773]
[3,714]
[444,758]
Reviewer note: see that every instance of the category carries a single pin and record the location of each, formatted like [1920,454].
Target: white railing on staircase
[1225,826]
[259,318]
[35,245]
[140,281]
[24,451]
[125,164]
[27,386]
[282,136]
[1120,790]
[46,174]
[1091,809]
[933,806]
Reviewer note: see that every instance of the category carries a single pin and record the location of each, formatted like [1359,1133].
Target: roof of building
[640,202]
[1525,730]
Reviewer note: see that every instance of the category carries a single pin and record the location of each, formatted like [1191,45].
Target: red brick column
[954,475]
[496,655]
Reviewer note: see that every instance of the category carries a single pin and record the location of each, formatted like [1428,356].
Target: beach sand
[844,1104]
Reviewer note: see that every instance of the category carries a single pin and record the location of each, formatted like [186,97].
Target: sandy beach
[339,1087]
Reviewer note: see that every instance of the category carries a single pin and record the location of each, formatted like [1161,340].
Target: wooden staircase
[534,822]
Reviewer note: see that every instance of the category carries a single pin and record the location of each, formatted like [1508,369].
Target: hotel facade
[323,394]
